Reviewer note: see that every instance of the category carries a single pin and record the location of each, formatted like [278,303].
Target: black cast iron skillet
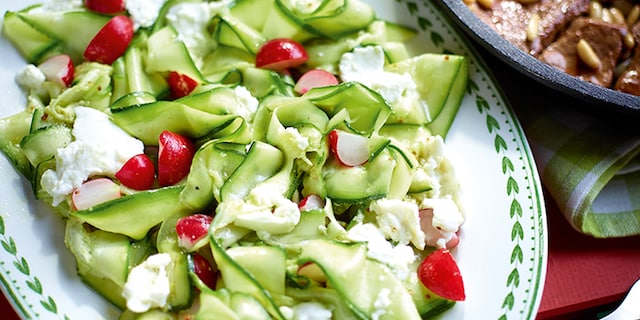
[599,98]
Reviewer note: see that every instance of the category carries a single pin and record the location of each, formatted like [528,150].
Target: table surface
[585,276]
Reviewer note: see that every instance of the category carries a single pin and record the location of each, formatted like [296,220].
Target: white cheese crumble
[311,311]
[436,170]
[143,12]
[383,301]
[147,285]
[100,148]
[398,258]
[366,65]
[447,219]
[399,221]
[247,103]
[265,211]
[191,21]
[293,143]
[30,77]
[59,6]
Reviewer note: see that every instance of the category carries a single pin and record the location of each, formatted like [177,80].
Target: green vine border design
[21,265]
[512,189]
[501,146]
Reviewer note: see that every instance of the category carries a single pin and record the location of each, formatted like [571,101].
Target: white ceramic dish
[502,254]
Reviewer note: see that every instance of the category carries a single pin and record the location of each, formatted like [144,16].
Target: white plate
[502,254]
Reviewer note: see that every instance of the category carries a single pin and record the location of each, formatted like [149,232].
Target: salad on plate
[210,162]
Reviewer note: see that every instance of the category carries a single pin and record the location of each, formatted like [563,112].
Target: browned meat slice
[629,80]
[511,19]
[605,39]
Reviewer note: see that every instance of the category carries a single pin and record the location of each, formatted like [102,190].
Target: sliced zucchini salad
[249,159]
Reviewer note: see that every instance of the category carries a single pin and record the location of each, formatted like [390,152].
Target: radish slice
[94,192]
[440,273]
[435,237]
[175,154]
[311,202]
[349,148]
[181,85]
[111,41]
[203,269]
[58,69]
[313,79]
[192,229]
[137,173]
[312,271]
[105,6]
[280,54]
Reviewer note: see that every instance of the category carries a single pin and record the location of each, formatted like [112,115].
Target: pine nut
[595,10]
[633,15]
[533,27]
[606,16]
[587,55]
[487,4]
[629,41]
[616,16]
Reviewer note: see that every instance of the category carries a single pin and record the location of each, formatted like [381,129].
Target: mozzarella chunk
[399,221]
[100,148]
[311,311]
[383,301]
[265,211]
[436,170]
[147,285]
[191,20]
[248,104]
[144,12]
[59,6]
[398,258]
[366,65]
[30,77]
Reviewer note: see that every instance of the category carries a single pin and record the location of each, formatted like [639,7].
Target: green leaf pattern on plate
[22,265]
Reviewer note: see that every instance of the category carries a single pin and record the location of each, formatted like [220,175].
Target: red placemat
[584,272]
[6,310]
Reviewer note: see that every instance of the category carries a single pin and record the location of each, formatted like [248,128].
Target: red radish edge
[439,273]
[94,192]
[181,85]
[349,148]
[203,269]
[58,69]
[137,173]
[191,229]
[431,233]
[281,53]
[311,202]
[105,6]
[111,41]
[313,79]
[312,271]
[175,154]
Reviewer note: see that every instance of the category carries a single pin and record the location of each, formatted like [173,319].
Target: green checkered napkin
[590,167]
